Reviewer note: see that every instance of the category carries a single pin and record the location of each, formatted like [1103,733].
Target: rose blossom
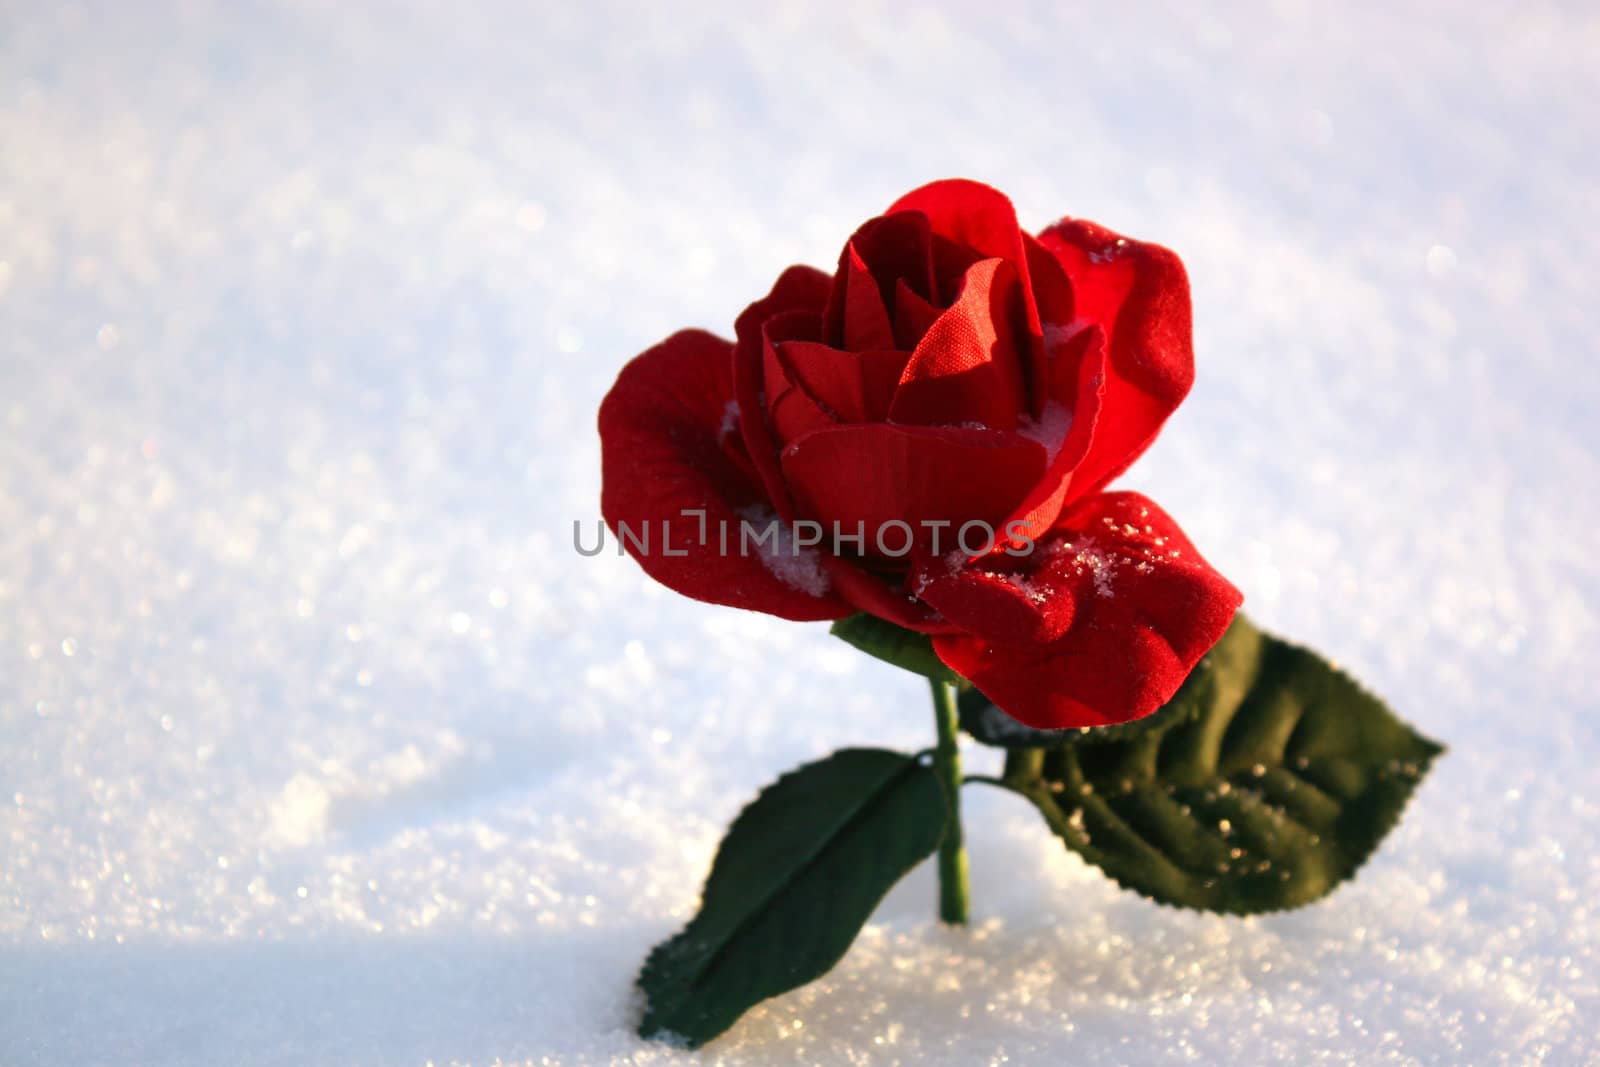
[952,370]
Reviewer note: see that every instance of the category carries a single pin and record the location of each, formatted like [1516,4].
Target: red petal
[1139,294]
[884,596]
[898,248]
[1052,293]
[967,367]
[797,289]
[876,473]
[852,386]
[1101,624]
[982,219]
[912,316]
[951,261]
[791,410]
[977,216]
[865,323]
[668,444]
[1066,427]
[886,250]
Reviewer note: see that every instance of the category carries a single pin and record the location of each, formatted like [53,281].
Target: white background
[321,745]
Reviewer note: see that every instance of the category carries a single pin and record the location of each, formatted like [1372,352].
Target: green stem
[1023,766]
[952,850]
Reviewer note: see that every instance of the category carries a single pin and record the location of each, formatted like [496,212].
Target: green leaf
[798,874]
[894,644]
[1266,782]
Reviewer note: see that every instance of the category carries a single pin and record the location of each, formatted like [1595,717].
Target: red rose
[953,370]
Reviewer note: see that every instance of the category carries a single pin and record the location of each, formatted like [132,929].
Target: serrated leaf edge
[1045,802]
[1044,799]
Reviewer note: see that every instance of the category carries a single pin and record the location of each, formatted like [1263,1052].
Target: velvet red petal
[852,386]
[792,411]
[1139,294]
[866,317]
[797,289]
[1052,295]
[1101,624]
[1066,426]
[977,216]
[884,596]
[982,219]
[876,473]
[951,262]
[883,252]
[896,248]
[668,443]
[967,369]
[912,316]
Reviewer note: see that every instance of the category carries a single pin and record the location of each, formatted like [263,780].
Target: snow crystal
[796,565]
[1108,252]
[730,421]
[1049,430]
[1028,588]
[1098,564]
[1057,334]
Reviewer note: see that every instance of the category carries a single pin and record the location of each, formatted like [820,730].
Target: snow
[730,420]
[1050,430]
[782,548]
[323,745]
[1100,565]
